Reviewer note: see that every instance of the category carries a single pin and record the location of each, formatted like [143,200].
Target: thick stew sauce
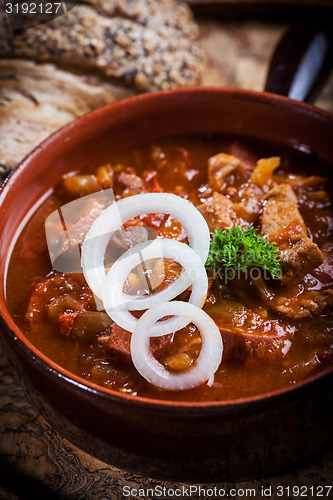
[275,331]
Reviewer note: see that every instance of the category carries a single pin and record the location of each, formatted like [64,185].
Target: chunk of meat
[57,294]
[129,181]
[296,302]
[77,232]
[250,205]
[131,236]
[251,193]
[248,336]
[220,167]
[66,229]
[119,345]
[65,245]
[283,224]
[242,345]
[66,323]
[308,303]
[219,212]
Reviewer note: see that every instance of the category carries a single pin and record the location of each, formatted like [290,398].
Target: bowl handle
[301,63]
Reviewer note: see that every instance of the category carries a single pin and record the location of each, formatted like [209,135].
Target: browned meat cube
[219,212]
[78,231]
[250,205]
[129,237]
[283,224]
[66,229]
[129,181]
[239,344]
[248,336]
[120,345]
[220,167]
[66,323]
[298,302]
[308,303]
[57,294]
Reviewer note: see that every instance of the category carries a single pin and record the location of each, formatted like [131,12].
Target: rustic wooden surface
[35,461]
[238,55]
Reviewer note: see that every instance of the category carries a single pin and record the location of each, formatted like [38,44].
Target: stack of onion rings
[117,304]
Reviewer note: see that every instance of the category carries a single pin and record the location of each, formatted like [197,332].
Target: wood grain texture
[238,55]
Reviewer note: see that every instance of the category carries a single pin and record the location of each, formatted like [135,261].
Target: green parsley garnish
[238,249]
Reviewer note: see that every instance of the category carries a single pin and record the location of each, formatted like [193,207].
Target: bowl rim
[40,360]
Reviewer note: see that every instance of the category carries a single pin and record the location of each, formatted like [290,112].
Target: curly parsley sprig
[238,249]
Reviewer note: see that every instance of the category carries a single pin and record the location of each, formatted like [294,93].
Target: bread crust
[98,52]
[139,44]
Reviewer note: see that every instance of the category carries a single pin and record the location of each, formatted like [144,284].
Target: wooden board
[239,52]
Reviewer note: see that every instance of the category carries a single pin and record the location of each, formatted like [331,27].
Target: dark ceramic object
[216,441]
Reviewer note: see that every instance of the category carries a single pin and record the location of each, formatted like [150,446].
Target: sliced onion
[118,304]
[113,218]
[205,365]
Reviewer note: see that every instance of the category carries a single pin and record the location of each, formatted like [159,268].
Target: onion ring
[204,366]
[118,304]
[113,218]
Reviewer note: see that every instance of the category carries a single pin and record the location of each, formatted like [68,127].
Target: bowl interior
[147,118]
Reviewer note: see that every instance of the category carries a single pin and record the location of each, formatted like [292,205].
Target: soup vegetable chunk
[257,228]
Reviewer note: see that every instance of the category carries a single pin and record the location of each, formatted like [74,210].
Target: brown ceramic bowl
[185,441]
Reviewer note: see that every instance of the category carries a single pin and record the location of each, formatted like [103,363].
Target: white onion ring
[204,366]
[118,304]
[113,217]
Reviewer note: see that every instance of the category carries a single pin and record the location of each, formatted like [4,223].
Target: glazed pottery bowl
[185,441]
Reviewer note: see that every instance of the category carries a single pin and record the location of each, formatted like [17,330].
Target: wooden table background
[35,461]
